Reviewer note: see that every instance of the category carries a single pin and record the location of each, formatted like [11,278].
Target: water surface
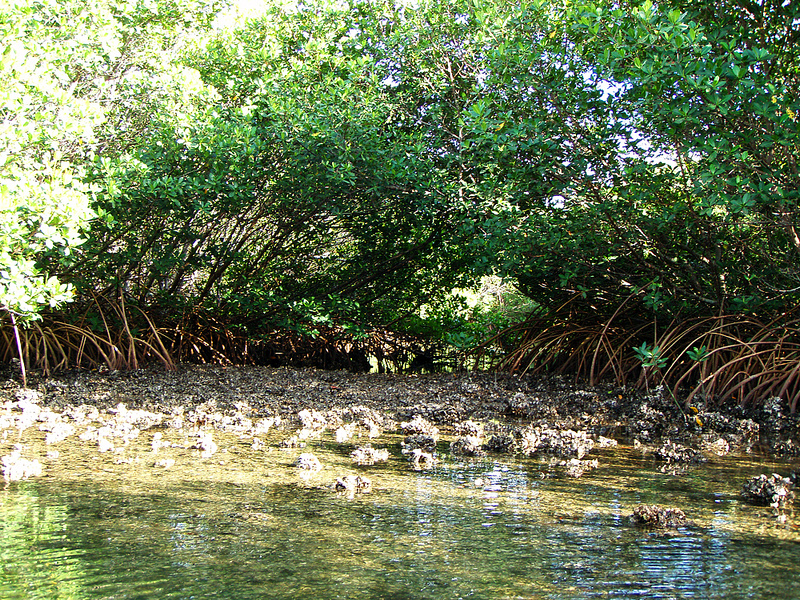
[244,524]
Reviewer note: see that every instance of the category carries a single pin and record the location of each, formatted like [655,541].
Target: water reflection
[479,529]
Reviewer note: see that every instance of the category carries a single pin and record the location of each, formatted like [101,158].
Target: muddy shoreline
[502,405]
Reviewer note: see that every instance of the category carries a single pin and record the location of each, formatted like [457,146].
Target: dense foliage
[345,166]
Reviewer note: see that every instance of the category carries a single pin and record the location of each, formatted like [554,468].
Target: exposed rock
[670,452]
[565,443]
[421,427]
[421,441]
[16,468]
[772,490]
[247,400]
[421,460]
[657,516]
[502,443]
[352,483]
[469,445]
[367,455]
[308,462]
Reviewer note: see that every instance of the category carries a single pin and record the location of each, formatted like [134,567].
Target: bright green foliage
[44,128]
[694,201]
[76,79]
[351,163]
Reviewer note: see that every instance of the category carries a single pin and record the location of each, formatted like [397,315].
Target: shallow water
[245,524]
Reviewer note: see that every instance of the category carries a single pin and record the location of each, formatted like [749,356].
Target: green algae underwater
[243,525]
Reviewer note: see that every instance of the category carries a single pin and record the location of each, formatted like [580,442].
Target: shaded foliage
[333,170]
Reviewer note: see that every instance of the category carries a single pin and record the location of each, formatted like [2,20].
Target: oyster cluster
[769,490]
[652,515]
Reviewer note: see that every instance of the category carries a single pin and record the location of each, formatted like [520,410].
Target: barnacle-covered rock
[772,490]
[576,468]
[601,442]
[16,467]
[565,442]
[138,419]
[502,443]
[421,441]
[468,445]
[469,428]
[344,433]
[57,431]
[420,426]
[352,484]
[421,460]
[671,452]
[263,425]
[312,419]
[715,445]
[205,443]
[308,462]
[367,455]
[653,515]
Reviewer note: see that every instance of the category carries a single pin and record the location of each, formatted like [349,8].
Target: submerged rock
[165,463]
[773,490]
[291,442]
[653,515]
[576,468]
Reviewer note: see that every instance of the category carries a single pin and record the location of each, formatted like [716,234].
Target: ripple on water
[244,525]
